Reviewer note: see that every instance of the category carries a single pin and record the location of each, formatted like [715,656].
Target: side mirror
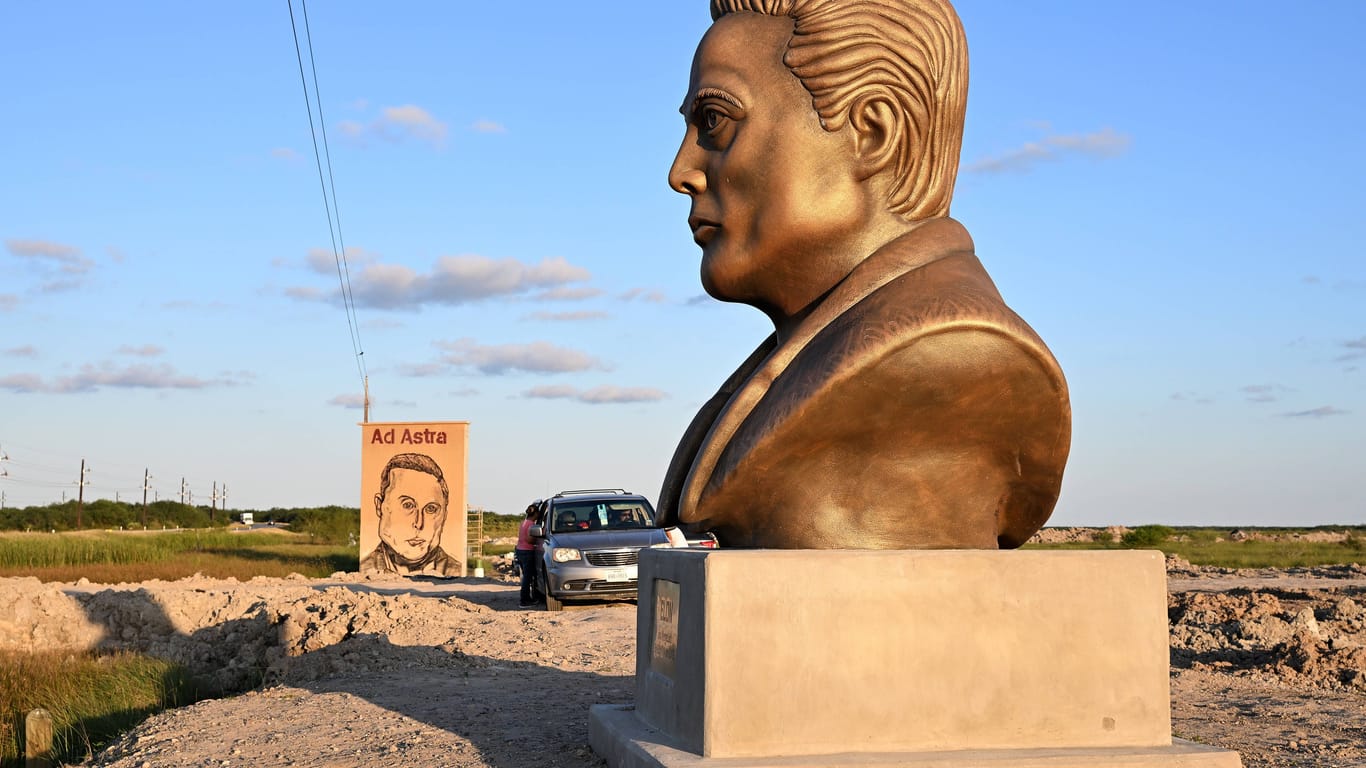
[537,532]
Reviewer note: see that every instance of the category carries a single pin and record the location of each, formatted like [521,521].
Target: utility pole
[80,493]
[146,486]
[213,501]
[225,497]
[183,491]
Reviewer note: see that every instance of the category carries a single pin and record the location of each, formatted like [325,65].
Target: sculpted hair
[419,462]
[911,51]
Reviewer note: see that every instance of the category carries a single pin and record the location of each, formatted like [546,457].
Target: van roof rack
[583,491]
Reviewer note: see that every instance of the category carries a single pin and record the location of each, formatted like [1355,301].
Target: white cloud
[597,395]
[488,126]
[305,293]
[553,392]
[286,154]
[60,286]
[610,394]
[1264,393]
[355,401]
[146,350]
[108,375]
[410,120]
[1356,350]
[1316,413]
[568,293]
[568,317]
[27,350]
[22,382]
[536,357]
[67,258]
[653,297]
[1103,143]
[8,302]
[452,281]
[422,370]
[382,323]
[397,125]
[1193,397]
[324,261]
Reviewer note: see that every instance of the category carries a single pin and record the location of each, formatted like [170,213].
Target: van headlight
[565,554]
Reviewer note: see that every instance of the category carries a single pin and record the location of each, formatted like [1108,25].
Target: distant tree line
[104,514]
[327,525]
[331,525]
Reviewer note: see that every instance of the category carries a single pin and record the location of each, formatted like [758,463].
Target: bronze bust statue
[899,403]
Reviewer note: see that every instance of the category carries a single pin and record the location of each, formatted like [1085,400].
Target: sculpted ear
[878,125]
[379,505]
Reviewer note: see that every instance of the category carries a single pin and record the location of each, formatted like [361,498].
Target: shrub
[328,525]
[1146,536]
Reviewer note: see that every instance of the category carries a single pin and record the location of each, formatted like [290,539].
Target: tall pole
[182,490]
[146,485]
[213,501]
[80,495]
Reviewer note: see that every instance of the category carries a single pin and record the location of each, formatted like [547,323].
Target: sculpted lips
[417,542]
[703,229]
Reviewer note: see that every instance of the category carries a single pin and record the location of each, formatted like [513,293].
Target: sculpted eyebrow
[716,93]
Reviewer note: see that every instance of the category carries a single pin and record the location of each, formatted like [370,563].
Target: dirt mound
[354,670]
[1316,637]
[234,636]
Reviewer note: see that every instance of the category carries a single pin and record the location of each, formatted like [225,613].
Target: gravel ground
[362,671]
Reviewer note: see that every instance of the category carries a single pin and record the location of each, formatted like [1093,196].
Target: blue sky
[1170,194]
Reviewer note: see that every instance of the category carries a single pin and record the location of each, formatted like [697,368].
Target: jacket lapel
[927,243]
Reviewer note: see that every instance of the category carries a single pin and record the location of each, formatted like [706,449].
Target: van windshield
[600,516]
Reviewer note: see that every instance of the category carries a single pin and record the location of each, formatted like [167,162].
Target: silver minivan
[588,544]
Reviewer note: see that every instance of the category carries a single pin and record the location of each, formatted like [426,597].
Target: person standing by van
[526,555]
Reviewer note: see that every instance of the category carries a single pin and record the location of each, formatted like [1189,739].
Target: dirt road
[372,672]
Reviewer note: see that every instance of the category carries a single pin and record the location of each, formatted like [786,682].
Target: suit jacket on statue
[911,408]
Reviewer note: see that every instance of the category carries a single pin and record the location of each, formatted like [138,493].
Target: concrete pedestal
[917,658]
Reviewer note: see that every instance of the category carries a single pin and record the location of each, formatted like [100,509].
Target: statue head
[818,130]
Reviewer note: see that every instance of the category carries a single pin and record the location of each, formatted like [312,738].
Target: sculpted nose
[685,176]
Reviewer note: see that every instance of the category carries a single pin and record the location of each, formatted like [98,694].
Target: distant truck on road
[248,518]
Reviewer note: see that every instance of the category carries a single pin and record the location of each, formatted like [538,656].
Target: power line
[349,297]
[330,204]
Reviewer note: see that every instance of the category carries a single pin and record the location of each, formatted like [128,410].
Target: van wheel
[551,604]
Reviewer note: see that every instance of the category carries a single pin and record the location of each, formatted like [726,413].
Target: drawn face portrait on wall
[411,508]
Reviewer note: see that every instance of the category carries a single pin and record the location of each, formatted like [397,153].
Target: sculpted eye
[432,509]
[712,119]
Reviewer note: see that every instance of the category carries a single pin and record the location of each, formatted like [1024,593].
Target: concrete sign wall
[413,497]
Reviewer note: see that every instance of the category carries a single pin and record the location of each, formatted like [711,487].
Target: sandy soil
[357,671]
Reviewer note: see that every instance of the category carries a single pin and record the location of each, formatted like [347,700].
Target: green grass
[120,557]
[1211,546]
[92,698]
